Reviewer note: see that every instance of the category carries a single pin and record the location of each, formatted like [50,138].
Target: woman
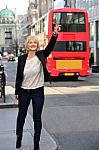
[30,77]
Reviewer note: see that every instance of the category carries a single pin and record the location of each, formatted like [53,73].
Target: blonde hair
[30,38]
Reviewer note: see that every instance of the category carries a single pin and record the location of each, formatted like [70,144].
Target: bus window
[70,46]
[69,22]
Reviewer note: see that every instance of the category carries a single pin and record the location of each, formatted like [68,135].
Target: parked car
[11,57]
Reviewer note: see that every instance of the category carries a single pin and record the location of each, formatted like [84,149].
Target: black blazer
[42,55]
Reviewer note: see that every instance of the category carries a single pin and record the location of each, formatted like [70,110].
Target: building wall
[44,6]
[71,3]
[32,15]
[64,3]
[92,7]
[23,30]
[7,40]
[58,4]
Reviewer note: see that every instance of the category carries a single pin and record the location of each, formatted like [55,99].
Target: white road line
[6,75]
[5,65]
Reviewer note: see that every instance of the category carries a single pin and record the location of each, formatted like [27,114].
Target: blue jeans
[37,97]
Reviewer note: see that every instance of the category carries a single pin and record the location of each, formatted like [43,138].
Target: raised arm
[52,42]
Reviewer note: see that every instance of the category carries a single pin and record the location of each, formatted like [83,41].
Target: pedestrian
[29,85]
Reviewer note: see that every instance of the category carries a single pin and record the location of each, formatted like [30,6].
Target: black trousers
[37,97]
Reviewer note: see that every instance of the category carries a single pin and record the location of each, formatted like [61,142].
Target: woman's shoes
[36,146]
[18,142]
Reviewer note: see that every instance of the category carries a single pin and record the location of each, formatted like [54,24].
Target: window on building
[8,33]
[8,29]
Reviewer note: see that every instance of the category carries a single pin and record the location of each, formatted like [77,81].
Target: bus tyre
[75,77]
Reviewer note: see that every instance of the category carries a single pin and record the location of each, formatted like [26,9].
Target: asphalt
[8,115]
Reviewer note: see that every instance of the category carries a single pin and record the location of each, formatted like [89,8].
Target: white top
[33,74]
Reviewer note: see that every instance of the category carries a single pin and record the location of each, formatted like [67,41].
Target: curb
[49,143]
[8,105]
[95,75]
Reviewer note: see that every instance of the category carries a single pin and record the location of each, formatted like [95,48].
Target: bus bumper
[82,73]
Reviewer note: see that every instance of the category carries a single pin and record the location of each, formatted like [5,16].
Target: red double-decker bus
[70,56]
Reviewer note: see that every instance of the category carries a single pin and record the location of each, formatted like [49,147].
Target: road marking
[9,90]
[70,90]
[5,65]
[6,75]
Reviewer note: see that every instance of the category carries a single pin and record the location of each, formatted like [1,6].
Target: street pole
[65,5]
[53,1]
[16,42]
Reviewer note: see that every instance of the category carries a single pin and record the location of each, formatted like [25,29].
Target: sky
[20,5]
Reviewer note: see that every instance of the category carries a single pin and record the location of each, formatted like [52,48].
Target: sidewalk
[93,78]
[8,115]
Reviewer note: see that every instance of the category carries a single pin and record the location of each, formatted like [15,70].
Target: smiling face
[31,44]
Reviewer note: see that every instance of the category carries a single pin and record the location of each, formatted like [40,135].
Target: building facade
[23,32]
[32,15]
[92,6]
[44,6]
[64,3]
[7,31]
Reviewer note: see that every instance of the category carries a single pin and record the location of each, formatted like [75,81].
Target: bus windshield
[69,22]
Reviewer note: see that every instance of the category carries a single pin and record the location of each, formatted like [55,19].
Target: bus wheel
[54,78]
[75,77]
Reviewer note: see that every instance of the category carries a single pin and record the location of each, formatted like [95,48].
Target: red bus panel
[70,56]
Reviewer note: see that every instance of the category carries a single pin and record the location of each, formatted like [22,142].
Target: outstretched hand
[56,29]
